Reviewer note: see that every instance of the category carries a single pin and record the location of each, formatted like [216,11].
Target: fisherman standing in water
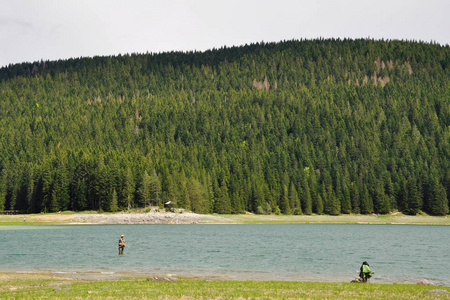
[121,244]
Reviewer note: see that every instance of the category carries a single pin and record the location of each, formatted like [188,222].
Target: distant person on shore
[365,273]
[121,244]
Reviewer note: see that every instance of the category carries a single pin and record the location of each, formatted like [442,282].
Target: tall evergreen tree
[114,202]
[437,198]
[128,188]
[366,207]
[155,187]
[144,190]
[294,200]
[306,199]
[198,196]
[354,194]
[222,204]
[2,188]
[284,205]
[413,201]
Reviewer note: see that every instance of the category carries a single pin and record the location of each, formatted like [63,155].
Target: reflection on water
[301,252]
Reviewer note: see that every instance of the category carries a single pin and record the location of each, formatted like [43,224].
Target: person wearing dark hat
[121,244]
[365,273]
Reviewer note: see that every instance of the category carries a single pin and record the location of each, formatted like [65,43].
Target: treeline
[297,127]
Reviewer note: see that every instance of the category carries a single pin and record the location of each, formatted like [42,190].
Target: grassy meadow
[47,286]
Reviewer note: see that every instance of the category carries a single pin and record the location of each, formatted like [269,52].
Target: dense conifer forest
[295,127]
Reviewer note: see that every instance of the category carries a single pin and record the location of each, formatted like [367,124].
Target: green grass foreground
[47,286]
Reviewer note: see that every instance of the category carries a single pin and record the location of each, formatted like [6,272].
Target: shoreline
[122,218]
[117,275]
[393,218]
[161,217]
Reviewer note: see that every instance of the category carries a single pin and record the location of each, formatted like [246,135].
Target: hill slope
[321,126]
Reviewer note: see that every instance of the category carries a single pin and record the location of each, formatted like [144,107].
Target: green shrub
[297,211]
[260,210]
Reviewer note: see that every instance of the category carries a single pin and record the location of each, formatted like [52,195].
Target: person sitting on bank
[121,244]
[365,273]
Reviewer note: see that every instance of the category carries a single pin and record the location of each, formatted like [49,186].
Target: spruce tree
[144,190]
[114,202]
[198,196]
[306,199]
[155,187]
[128,188]
[284,205]
[413,201]
[2,197]
[356,202]
[437,198]
[53,206]
[222,204]
[294,200]
[346,206]
[365,201]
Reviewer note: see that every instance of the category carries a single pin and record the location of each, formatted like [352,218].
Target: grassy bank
[41,219]
[46,286]
[395,218]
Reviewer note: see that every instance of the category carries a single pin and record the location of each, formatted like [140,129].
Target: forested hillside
[297,127]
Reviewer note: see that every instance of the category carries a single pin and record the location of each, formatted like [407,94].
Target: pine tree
[332,206]
[354,194]
[155,188]
[53,205]
[47,187]
[2,196]
[61,186]
[222,204]
[306,199]
[381,200]
[413,201]
[79,185]
[114,203]
[144,190]
[31,205]
[319,205]
[365,201]
[346,206]
[198,196]
[129,188]
[437,198]
[258,196]
[284,205]
[102,187]
[294,200]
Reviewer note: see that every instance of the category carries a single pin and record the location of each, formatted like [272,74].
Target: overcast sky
[31,30]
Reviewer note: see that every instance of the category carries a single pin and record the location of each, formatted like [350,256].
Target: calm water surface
[303,252]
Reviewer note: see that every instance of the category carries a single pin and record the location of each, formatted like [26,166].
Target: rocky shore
[151,217]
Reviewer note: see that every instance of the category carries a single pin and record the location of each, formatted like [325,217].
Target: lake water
[298,252]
